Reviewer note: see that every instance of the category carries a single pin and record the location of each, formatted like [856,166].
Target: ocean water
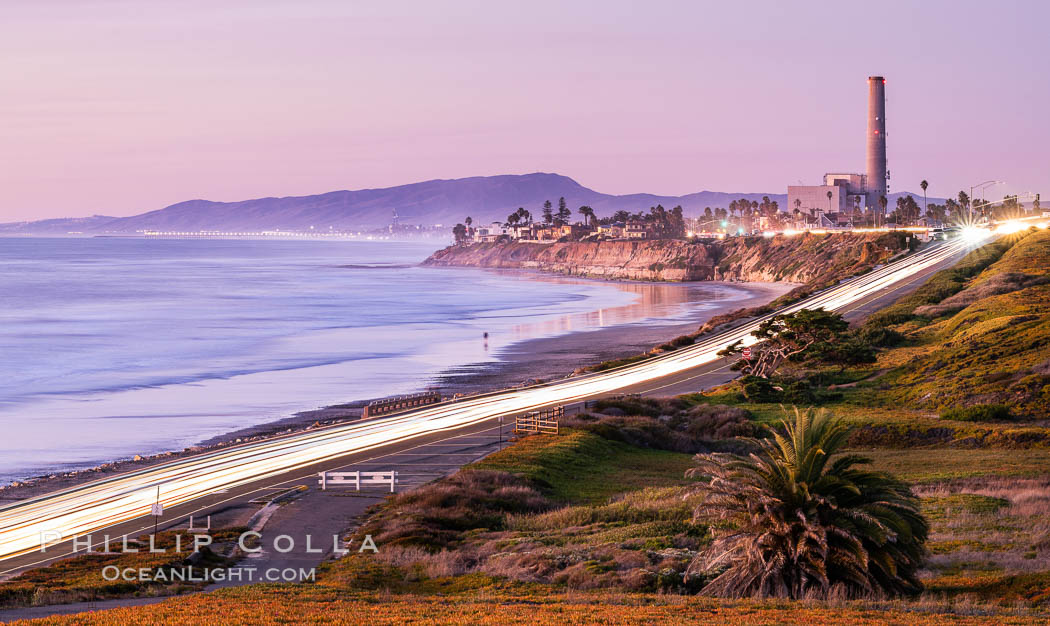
[114,347]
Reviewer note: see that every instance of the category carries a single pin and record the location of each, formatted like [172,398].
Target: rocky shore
[801,258]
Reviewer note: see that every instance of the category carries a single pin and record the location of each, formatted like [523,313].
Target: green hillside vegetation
[985,344]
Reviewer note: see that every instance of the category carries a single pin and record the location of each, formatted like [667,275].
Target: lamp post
[1024,195]
[981,187]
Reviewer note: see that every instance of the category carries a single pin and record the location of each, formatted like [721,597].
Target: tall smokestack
[876,140]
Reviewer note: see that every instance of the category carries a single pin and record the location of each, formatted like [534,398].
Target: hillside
[446,202]
[800,259]
[979,334]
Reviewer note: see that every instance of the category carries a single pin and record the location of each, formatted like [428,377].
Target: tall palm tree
[588,215]
[789,521]
[882,208]
[829,200]
[924,185]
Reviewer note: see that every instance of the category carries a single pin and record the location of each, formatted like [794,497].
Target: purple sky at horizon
[118,107]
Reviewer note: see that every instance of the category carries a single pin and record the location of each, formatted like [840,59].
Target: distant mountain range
[446,202]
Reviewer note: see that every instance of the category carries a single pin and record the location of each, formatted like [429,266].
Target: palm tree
[788,521]
[829,200]
[924,185]
[882,208]
[588,215]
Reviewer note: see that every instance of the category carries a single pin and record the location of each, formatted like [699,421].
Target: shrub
[678,342]
[678,430]
[636,405]
[978,413]
[880,336]
[757,389]
[636,430]
[435,515]
[764,390]
[712,422]
[804,390]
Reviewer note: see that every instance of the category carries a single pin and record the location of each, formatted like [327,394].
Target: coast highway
[121,504]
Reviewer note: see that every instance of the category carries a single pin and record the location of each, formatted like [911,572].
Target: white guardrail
[343,479]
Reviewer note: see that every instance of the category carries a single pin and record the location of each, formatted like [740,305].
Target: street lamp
[981,187]
[1020,197]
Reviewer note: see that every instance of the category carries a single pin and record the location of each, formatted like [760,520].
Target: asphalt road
[416,461]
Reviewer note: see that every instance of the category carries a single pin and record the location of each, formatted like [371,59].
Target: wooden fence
[545,421]
[400,403]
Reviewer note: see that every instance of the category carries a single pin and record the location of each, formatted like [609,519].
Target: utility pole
[157,511]
[980,187]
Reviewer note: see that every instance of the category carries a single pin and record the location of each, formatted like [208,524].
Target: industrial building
[844,195]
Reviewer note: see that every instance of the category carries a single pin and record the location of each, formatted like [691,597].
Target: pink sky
[117,107]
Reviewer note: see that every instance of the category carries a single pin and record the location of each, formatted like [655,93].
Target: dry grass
[80,578]
[990,524]
[995,285]
[288,604]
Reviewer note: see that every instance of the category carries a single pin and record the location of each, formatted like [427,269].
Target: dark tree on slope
[789,522]
[564,214]
[937,211]
[907,211]
[521,216]
[808,335]
[588,215]
[770,210]
[459,232]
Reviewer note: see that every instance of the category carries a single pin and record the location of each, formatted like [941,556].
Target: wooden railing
[400,403]
[534,422]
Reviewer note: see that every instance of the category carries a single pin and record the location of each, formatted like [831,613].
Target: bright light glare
[1042,225]
[973,234]
[1009,228]
[768,233]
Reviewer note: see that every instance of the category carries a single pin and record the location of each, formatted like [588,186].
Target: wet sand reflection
[667,302]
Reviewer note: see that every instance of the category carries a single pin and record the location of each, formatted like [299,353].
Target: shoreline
[517,363]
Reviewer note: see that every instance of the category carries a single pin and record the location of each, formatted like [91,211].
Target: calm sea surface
[116,347]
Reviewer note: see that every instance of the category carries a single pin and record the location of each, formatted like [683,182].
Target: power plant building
[851,192]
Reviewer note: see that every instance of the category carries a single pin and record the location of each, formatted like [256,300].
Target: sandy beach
[516,363]
[546,358]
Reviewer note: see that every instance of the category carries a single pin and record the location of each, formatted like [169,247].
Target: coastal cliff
[801,259]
